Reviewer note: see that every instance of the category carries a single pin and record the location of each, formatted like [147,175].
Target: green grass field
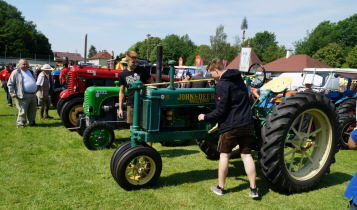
[48,167]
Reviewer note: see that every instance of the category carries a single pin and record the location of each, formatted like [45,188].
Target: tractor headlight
[90,109]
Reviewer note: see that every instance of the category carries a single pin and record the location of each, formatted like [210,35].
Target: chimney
[289,53]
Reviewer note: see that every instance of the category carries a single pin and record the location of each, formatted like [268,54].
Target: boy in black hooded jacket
[234,117]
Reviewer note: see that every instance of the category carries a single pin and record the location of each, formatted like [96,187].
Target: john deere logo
[196,98]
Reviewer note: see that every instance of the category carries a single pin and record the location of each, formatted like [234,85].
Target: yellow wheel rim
[73,114]
[140,170]
[308,144]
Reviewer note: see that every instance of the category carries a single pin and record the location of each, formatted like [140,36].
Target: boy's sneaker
[253,193]
[217,190]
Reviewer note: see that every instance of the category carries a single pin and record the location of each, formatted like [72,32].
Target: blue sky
[115,25]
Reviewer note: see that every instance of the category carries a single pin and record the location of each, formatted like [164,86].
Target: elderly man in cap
[43,90]
[22,86]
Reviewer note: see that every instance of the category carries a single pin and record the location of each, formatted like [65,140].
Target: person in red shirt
[63,74]
[4,77]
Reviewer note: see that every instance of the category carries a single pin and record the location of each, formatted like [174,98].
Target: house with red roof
[293,64]
[101,58]
[236,61]
[71,58]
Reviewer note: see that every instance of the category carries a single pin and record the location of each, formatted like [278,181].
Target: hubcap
[308,144]
[346,131]
[100,138]
[74,113]
[140,170]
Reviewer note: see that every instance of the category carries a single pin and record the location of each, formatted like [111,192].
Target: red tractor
[70,104]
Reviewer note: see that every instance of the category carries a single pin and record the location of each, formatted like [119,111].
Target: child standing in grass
[233,114]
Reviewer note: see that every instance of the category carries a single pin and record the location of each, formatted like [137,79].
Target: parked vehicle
[70,105]
[296,139]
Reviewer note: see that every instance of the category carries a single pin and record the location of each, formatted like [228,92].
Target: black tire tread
[274,132]
[87,133]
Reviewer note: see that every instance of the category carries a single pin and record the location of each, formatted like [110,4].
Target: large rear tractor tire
[98,135]
[59,106]
[347,123]
[347,107]
[138,167]
[210,149]
[71,111]
[299,142]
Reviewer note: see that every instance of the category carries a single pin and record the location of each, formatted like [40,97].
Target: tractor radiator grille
[70,82]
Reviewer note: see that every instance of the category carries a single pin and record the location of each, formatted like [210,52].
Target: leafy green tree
[147,47]
[272,53]
[204,51]
[176,47]
[321,36]
[351,59]
[220,48]
[92,51]
[344,33]
[332,55]
[20,37]
[265,46]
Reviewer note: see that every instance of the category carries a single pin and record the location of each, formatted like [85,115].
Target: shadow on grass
[119,141]
[177,152]
[56,124]
[199,175]
[7,115]
[187,177]
[333,179]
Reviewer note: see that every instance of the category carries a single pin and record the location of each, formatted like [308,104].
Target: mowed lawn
[48,167]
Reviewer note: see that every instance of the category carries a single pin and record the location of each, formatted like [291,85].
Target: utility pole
[85,49]
[147,46]
[5,51]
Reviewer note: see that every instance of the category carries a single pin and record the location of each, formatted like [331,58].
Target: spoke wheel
[98,136]
[74,113]
[140,170]
[347,123]
[299,142]
[308,144]
[257,75]
[139,167]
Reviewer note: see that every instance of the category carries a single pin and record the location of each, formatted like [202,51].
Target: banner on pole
[245,56]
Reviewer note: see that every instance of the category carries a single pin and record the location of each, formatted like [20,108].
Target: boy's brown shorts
[242,136]
[129,114]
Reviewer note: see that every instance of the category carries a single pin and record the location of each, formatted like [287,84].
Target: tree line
[20,38]
[332,43]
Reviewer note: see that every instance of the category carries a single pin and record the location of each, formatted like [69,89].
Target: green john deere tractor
[296,138]
[100,117]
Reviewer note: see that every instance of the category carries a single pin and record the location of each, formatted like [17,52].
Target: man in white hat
[43,90]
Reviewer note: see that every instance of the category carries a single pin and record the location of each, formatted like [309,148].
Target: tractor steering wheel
[257,75]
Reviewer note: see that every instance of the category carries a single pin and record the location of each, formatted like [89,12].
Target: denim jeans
[8,96]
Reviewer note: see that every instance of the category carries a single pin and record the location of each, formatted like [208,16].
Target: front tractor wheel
[139,167]
[70,112]
[98,135]
[299,142]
